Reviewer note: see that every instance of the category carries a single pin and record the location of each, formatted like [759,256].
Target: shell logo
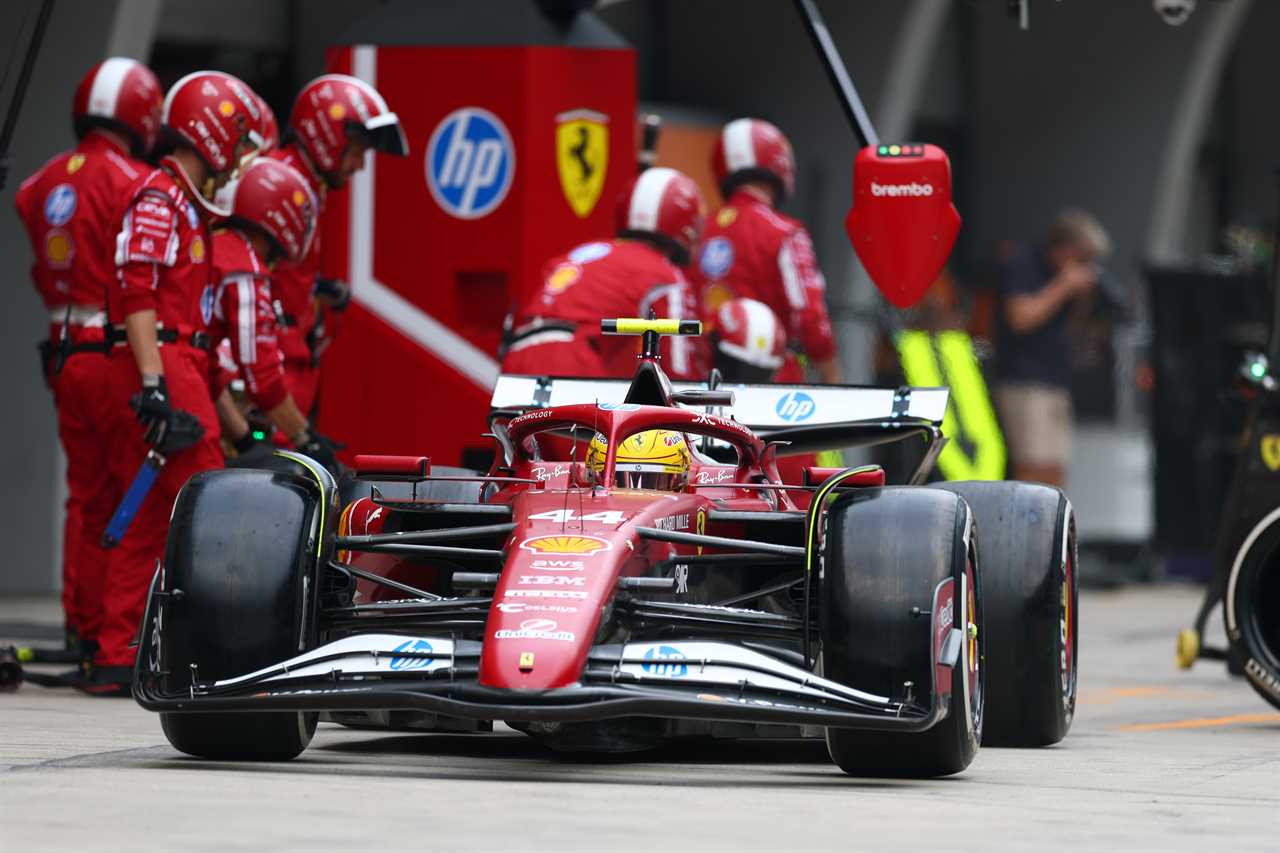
[561,277]
[74,163]
[298,198]
[58,249]
[726,216]
[583,546]
[197,250]
[337,111]
[227,109]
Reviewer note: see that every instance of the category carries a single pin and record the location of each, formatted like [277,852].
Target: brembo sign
[903,223]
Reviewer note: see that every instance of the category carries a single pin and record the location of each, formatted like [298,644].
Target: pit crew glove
[153,409]
[333,291]
[320,448]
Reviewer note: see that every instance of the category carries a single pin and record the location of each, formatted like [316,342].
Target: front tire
[888,551]
[241,572]
[1252,618]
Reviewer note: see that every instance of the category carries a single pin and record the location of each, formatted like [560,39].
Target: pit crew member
[71,210]
[659,219]
[750,249]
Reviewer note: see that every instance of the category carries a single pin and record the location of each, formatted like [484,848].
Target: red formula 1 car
[632,568]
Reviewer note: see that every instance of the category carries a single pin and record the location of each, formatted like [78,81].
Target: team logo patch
[471,163]
[588,252]
[584,545]
[227,109]
[1270,449]
[713,296]
[726,216]
[337,111]
[206,303]
[60,205]
[582,157]
[298,198]
[717,257]
[561,277]
[197,249]
[58,249]
[74,162]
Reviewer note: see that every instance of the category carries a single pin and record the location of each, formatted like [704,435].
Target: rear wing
[763,408]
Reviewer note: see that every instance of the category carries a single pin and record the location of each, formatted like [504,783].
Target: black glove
[246,442]
[153,409]
[320,448]
[335,292]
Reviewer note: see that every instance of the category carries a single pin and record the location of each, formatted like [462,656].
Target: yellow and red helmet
[654,459]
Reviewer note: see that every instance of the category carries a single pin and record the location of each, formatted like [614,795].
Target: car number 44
[612,517]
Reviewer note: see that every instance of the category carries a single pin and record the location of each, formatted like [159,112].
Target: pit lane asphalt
[1157,760]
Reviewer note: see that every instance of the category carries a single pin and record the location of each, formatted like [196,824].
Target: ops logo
[470,163]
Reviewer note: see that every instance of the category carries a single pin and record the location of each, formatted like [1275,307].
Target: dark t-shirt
[1041,354]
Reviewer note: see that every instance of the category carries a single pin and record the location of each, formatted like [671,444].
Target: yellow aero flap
[637,326]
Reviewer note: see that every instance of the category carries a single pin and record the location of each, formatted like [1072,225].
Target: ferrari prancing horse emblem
[1270,447]
[582,157]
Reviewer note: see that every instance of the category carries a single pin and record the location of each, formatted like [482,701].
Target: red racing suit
[244,313]
[557,332]
[751,250]
[293,286]
[71,209]
[162,256]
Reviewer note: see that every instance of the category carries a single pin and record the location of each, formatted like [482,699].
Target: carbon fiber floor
[1157,760]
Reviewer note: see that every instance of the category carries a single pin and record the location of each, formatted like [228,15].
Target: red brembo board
[516,154]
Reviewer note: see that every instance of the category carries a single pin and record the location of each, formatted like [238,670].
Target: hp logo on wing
[470,163]
[795,406]
[666,660]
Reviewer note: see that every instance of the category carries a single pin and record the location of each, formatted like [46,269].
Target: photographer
[1038,288]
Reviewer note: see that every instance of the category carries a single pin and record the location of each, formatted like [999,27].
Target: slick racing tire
[887,552]
[1252,605]
[245,547]
[1027,543]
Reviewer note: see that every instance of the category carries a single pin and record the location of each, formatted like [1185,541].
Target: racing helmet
[656,459]
[665,207]
[277,200]
[270,128]
[753,149]
[218,117]
[333,106]
[121,94]
[750,343]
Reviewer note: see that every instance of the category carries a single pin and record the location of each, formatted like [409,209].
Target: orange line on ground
[1203,723]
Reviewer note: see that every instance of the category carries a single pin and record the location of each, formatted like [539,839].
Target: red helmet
[213,113]
[665,204]
[750,148]
[328,108]
[270,128]
[277,199]
[123,94]
[748,331]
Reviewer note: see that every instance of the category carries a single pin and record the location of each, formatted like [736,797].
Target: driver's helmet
[655,459]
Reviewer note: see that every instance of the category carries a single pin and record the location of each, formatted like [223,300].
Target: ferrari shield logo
[582,157]
[1271,451]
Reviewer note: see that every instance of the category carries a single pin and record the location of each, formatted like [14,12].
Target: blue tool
[138,490]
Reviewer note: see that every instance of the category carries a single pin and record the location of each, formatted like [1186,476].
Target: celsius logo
[894,190]
[795,406]
[470,163]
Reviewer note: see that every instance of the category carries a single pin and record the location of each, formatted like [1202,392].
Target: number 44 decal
[612,517]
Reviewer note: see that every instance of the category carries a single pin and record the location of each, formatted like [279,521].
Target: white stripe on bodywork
[739,153]
[646,199]
[107,84]
[383,302]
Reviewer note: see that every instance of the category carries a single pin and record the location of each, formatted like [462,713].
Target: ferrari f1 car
[632,568]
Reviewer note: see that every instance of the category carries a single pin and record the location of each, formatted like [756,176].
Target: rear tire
[887,551]
[1253,620]
[1027,533]
[244,548]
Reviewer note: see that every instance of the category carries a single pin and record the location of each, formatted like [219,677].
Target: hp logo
[666,660]
[470,163]
[418,646]
[795,406]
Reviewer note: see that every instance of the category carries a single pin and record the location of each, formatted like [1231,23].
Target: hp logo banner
[470,163]
[795,406]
